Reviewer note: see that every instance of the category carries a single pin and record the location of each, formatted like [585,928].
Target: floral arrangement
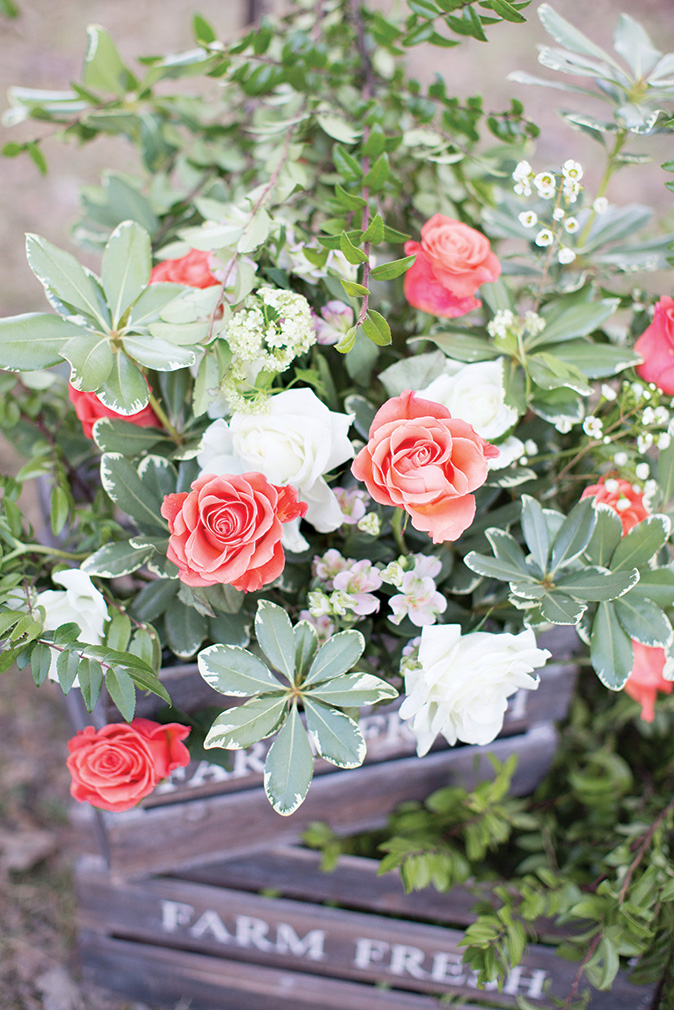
[358,404]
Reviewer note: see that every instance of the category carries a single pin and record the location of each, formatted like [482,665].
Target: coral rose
[89,408]
[193,269]
[116,766]
[422,459]
[656,347]
[228,529]
[453,260]
[619,495]
[646,678]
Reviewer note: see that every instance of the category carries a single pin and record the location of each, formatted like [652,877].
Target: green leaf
[204,32]
[336,657]
[90,356]
[374,232]
[494,568]
[339,128]
[639,545]
[125,390]
[507,11]
[242,726]
[665,470]
[566,35]
[561,609]
[563,322]
[346,164]
[153,599]
[125,437]
[116,559]
[40,662]
[123,485]
[60,509]
[376,328]
[349,200]
[643,620]
[230,669]
[306,647]
[464,346]
[610,648]
[103,67]
[354,289]
[597,584]
[596,361]
[67,663]
[154,352]
[606,536]
[118,632]
[336,737]
[127,261]
[120,687]
[33,341]
[574,534]
[289,767]
[352,690]
[186,628]
[635,47]
[352,254]
[394,268]
[658,585]
[62,276]
[274,633]
[535,530]
[550,372]
[154,301]
[90,675]
[506,548]
[159,476]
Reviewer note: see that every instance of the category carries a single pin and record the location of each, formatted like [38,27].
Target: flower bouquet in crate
[359,402]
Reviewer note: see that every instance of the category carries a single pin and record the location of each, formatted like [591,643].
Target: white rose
[80,603]
[475,394]
[463,682]
[296,440]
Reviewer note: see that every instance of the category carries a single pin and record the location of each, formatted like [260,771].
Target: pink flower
[646,678]
[228,530]
[418,599]
[116,766]
[89,408]
[621,497]
[453,260]
[192,269]
[425,461]
[337,318]
[656,347]
[357,582]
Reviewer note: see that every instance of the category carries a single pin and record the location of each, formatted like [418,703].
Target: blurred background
[43,47]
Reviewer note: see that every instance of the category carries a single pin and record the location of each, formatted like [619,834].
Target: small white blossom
[644,442]
[622,504]
[521,176]
[566,255]
[558,213]
[533,323]
[572,170]
[607,439]
[546,185]
[620,458]
[571,190]
[611,485]
[370,523]
[530,447]
[637,389]
[571,225]
[647,394]
[642,470]
[545,237]
[319,604]
[593,426]
[664,440]
[600,205]
[661,415]
[528,218]
[327,566]
[651,491]
[608,392]
[393,573]
[523,460]
[499,325]
[648,416]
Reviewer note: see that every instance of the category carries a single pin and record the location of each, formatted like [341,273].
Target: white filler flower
[80,603]
[294,441]
[463,682]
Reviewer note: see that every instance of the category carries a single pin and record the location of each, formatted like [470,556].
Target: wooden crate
[205,935]
[207,811]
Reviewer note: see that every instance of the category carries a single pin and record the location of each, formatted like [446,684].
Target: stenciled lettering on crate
[147,840]
[305,937]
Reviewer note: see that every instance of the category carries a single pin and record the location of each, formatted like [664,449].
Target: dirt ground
[43,48]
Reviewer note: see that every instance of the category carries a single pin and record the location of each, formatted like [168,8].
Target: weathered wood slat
[159,975]
[330,942]
[166,837]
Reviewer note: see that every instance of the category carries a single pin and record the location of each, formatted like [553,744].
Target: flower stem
[44,549]
[164,418]
[397,530]
[603,185]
